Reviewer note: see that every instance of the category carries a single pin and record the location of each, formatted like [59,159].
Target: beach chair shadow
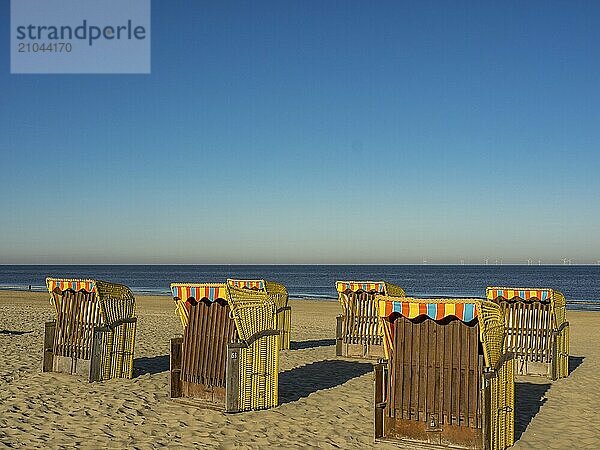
[529,398]
[302,381]
[575,362]
[15,332]
[300,345]
[151,365]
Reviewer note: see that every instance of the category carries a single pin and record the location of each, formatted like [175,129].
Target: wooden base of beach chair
[284,324]
[525,367]
[61,364]
[111,355]
[423,434]
[71,366]
[346,348]
[49,331]
[205,396]
[361,351]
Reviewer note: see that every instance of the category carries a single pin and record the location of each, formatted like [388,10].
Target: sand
[325,402]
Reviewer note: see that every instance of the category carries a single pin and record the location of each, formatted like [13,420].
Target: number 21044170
[57,47]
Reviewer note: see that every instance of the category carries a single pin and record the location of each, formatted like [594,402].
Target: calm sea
[578,283]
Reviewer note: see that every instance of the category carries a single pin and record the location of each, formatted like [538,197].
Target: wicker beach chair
[447,379]
[358,334]
[537,329]
[94,331]
[228,357]
[279,294]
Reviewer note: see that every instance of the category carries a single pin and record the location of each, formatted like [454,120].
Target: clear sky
[315,132]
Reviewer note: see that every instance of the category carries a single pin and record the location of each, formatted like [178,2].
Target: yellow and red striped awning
[366,286]
[247,284]
[494,293]
[65,283]
[208,291]
[465,311]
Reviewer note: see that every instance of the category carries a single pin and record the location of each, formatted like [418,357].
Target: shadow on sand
[152,365]
[303,381]
[299,345]
[15,332]
[529,398]
[575,362]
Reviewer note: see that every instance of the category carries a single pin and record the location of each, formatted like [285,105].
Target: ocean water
[578,283]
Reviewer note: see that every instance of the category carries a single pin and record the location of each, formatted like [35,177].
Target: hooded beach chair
[228,357]
[94,331]
[537,329]
[279,294]
[447,379]
[358,334]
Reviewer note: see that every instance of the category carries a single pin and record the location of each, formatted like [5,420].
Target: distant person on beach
[29,287]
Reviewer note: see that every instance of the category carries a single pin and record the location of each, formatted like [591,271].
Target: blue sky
[315,132]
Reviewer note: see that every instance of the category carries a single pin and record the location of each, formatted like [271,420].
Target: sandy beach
[325,402]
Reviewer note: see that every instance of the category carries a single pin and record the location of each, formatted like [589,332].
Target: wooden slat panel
[448,375]
[435,372]
[423,370]
[529,332]
[76,317]
[204,345]
[398,369]
[408,381]
[360,320]
[432,373]
[441,342]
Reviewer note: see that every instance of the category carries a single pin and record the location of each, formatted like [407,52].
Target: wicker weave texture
[254,314]
[536,321]
[96,321]
[502,422]
[279,295]
[360,323]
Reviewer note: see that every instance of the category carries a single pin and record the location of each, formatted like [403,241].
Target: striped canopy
[208,291]
[65,283]
[488,314]
[465,311]
[494,293]
[247,284]
[367,286]
[116,301]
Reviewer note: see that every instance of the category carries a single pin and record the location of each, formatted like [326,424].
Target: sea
[579,283]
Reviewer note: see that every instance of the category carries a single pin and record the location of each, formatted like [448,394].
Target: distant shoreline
[576,305]
[305,264]
[39,290]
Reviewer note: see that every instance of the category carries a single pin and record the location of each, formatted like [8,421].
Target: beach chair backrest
[278,293]
[537,328]
[205,314]
[439,352]
[359,333]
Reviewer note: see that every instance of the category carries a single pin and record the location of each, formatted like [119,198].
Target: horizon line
[298,264]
